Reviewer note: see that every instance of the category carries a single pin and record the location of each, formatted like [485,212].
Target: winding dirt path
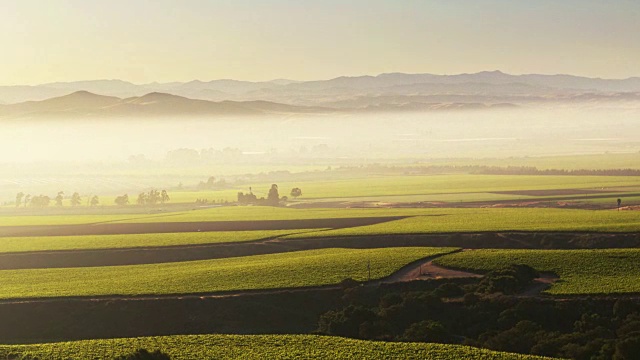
[426,269]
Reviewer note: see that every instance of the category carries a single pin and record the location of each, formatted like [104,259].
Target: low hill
[86,104]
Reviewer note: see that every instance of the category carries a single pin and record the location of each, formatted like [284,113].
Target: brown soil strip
[426,269]
[152,255]
[177,227]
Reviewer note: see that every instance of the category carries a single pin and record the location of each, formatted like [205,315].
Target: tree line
[273,197]
[488,313]
[152,197]
[483,170]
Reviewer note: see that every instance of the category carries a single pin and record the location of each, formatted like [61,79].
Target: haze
[145,41]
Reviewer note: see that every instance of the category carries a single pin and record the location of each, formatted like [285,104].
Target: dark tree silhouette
[164,197]
[76,200]
[273,198]
[95,200]
[19,197]
[122,200]
[27,199]
[153,197]
[40,201]
[142,199]
[59,198]
[295,192]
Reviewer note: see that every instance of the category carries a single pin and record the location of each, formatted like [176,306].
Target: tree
[142,199]
[295,192]
[27,199]
[19,197]
[273,198]
[153,197]
[122,200]
[59,198]
[164,197]
[76,199]
[40,201]
[210,184]
[95,201]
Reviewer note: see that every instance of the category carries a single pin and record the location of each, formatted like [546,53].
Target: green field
[423,220]
[55,243]
[601,271]
[421,185]
[282,270]
[260,347]
[496,219]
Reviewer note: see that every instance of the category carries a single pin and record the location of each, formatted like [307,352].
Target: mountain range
[385,92]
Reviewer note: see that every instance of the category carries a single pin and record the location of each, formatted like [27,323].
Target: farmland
[602,271]
[255,347]
[123,241]
[447,187]
[285,270]
[488,219]
[208,270]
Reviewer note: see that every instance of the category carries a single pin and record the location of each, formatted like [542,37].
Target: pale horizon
[161,41]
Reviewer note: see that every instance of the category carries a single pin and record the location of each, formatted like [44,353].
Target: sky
[181,40]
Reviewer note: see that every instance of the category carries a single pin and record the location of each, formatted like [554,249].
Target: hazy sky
[179,40]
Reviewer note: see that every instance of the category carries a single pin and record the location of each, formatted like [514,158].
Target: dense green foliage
[585,328]
[601,271]
[51,243]
[254,347]
[282,270]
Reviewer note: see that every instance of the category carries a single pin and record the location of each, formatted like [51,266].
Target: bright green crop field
[496,219]
[600,271]
[423,220]
[54,243]
[282,270]
[257,347]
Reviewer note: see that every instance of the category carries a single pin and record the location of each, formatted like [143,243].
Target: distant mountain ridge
[391,91]
[86,104]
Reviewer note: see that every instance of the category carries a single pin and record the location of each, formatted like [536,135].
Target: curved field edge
[273,271]
[127,241]
[581,272]
[185,347]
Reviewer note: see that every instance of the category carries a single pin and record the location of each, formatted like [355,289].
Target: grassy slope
[602,271]
[294,269]
[256,347]
[51,243]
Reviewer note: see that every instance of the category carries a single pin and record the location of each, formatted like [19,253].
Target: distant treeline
[486,170]
[530,170]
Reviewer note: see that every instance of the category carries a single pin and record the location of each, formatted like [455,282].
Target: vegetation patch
[600,271]
[92,242]
[283,270]
[253,347]
[496,219]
